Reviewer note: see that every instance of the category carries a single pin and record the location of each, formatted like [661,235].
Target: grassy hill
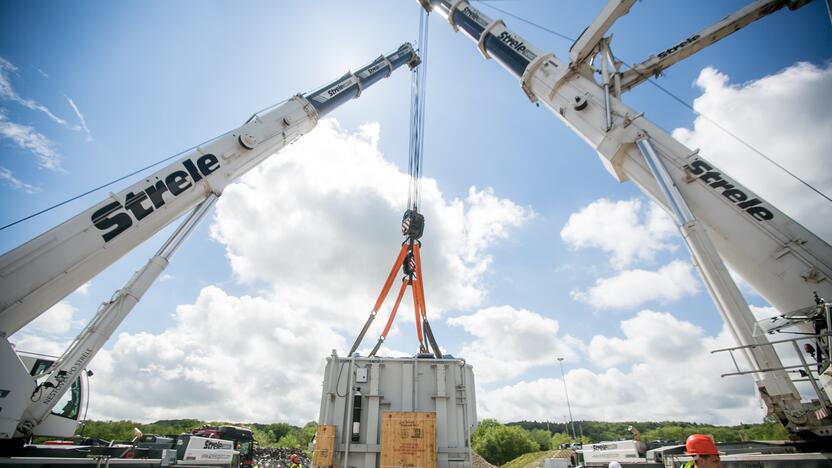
[536,459]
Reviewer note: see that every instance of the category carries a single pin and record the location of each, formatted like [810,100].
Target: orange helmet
[701,444]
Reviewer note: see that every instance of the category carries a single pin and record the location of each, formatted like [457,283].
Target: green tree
[559,438]
[500,444]
[542,438]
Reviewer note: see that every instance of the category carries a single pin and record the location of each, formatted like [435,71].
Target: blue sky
[150,79]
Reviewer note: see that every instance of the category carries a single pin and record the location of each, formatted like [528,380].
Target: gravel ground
[278,457]
[480,462]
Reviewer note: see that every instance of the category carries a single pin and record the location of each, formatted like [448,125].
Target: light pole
[568,406]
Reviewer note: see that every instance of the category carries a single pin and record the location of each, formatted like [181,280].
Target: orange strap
[414,287]
[391,277]
[395,309]
[421,286]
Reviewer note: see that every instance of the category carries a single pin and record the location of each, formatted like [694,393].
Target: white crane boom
[718,217]
[654,65]
[39,273]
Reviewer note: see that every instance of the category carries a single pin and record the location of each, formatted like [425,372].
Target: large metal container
[357,391]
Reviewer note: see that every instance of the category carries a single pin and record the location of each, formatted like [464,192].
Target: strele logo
[337,89]
[467,11]
[704,172]
[114,215]
[506,38]
[214,445]
[679,46]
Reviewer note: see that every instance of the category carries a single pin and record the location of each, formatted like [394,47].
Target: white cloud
[320,223]
[84,289]
[621,228]
[661,369]
[509,341]
[647,338]
[226,357]
[315,228]
[39,344]
[28,138]
[9,179]
[57,320]
[632,288]
[786,116]
[81,119]
[490,218]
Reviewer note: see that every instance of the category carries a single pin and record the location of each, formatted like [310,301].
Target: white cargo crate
[358,391]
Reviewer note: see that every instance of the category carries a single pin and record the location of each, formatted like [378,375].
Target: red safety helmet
[701,444]
[293,457]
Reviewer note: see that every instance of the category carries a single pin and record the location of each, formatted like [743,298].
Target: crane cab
[71,407]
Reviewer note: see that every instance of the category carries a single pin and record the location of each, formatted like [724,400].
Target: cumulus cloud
[57,320]
[48,333]
[509,341]
[626,229]
[84,289]
[314,230]
[226,357]
[632,288]
[786,116]
[320,224]
[27,138]
[661,369]
[10,180]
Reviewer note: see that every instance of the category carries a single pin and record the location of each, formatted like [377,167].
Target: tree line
[498,443]
[265,435]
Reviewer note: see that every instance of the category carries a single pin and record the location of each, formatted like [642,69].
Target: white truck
[723,223]
[39,273]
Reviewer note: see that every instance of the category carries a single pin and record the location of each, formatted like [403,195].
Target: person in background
[703,449]
[295,461]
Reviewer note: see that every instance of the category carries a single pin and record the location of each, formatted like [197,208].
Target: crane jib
[504,46]
[350,85]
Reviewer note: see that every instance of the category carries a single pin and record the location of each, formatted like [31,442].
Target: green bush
[499,444]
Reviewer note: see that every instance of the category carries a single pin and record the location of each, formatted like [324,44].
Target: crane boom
[39,273]
[781,259]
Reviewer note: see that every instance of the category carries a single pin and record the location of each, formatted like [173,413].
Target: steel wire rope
[677,99]
[417,117]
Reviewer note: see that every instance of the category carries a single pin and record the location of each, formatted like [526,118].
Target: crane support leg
[773,382]
[67,368]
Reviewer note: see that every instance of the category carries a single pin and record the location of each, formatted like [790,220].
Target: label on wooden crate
[324,445]
[408,440]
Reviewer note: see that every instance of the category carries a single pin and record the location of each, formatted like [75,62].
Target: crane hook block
[413,224]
